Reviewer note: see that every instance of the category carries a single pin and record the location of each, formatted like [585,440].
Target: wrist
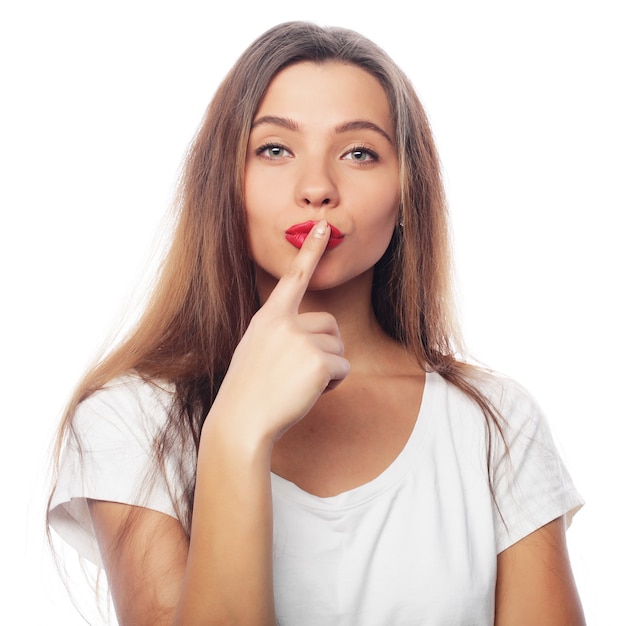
[240,439]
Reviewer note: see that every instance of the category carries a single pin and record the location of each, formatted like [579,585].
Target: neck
[351,305]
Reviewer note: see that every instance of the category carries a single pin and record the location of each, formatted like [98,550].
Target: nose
[316,187]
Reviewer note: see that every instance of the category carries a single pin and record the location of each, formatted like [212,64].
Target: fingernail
[320,229]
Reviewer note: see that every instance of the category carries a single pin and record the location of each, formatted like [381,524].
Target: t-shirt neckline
[391,475]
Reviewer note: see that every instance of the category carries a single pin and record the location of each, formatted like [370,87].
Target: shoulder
[517,425]
[532,486]
[513,406]
[127,406]
[109,455]
[131,390]
[524,427]
[504,392]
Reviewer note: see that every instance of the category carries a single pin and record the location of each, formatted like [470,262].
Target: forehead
[330,91]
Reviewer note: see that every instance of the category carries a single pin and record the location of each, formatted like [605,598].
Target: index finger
[293,284]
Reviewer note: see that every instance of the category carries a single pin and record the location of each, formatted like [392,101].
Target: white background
[99,102]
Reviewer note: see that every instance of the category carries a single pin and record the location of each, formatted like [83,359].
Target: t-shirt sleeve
[532,485]
[109,456]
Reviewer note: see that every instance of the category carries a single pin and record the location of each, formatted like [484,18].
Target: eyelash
[359,148]
[370,152]
[267,146]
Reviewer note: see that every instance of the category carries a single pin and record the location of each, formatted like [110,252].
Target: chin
[328,281]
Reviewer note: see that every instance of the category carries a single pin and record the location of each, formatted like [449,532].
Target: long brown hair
[205,295]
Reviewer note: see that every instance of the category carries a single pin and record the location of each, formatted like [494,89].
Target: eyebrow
[284,122]
[362,125]
[290,124]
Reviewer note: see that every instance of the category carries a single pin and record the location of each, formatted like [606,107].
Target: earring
[399,222]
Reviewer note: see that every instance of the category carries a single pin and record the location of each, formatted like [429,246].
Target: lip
[297,233]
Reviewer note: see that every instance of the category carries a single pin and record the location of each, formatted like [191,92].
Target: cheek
[381,211]
[258,238]
[255,205]
[262,229]
[382,222]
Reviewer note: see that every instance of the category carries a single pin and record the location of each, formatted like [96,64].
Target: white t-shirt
[416,545]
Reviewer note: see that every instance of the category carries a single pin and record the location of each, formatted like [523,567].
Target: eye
[361,154]
[273,151]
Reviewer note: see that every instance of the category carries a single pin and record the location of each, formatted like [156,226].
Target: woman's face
[321,147]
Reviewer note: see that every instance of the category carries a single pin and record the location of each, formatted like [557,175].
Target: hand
[285,360]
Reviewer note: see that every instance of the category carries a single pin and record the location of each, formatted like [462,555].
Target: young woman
[287,435]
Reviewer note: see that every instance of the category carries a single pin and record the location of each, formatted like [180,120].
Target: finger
[319,323]
[339,368]
[330,344]
[291,288]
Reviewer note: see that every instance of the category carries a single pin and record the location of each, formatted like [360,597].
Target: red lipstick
[297,233]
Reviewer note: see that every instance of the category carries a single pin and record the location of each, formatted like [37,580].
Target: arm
[157,578]
[144,554]
[282,365]
[228,578]
[535,584]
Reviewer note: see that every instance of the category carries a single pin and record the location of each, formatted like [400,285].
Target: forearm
[228,579]
[281,366]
